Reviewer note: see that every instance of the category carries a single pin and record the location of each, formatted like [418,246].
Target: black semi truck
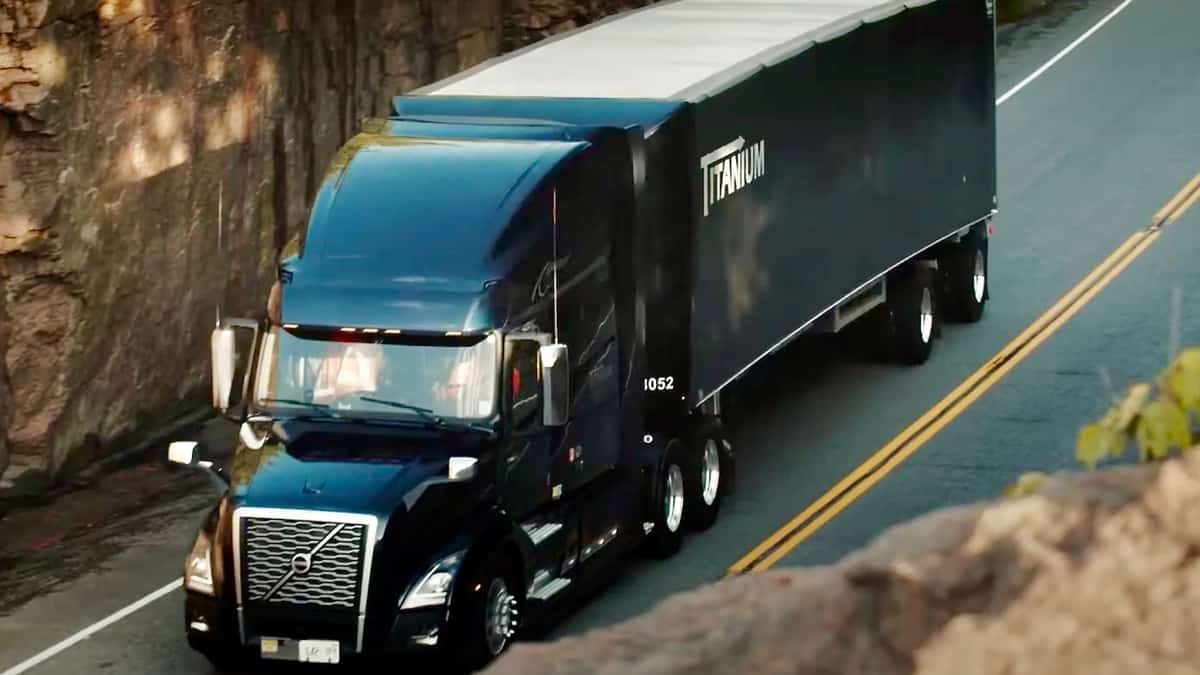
[492,364]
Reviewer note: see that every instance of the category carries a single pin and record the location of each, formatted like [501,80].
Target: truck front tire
[487,612]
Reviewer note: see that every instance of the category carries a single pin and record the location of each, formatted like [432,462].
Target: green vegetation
[1155,417]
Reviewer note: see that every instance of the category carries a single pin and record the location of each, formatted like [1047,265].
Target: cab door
[525,461]
[530,489]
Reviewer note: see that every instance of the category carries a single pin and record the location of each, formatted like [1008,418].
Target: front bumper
[214,626]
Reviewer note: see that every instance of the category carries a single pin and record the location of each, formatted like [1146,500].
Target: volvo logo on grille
[302,563]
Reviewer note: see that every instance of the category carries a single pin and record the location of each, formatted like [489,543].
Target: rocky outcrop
[154,157]
[1094,573]
[4,396]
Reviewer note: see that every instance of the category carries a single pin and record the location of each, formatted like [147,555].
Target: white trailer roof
[676,49]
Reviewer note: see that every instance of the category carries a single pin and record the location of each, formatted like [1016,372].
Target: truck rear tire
[670,498]
[911,315]
[709,476]
[964,268]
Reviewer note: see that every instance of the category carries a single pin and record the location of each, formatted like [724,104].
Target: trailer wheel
[486,612]
[964,268]
[711,472]
[670,498]
[911,315]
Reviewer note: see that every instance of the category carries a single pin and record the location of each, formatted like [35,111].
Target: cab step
[540,532]
[546,586]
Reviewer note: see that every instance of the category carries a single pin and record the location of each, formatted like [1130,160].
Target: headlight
[197,571]
[434,587]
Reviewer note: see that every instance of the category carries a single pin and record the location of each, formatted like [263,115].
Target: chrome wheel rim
[673,500]
[979,278]
[926,315]
[710,478]
[500,617]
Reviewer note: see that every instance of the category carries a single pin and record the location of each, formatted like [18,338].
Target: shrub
[1156,416]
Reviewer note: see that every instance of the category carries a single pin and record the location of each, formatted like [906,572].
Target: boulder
[1094,573]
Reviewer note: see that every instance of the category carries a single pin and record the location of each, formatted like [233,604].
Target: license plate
[307,651]
[319,651]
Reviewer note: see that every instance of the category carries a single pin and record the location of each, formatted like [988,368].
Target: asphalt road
[1088,152]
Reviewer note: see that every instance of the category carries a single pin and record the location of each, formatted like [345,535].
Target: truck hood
[356,469]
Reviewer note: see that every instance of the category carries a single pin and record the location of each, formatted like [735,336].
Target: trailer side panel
[819,173]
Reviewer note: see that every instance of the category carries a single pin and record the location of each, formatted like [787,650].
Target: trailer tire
[710,473]
[500,595]
[912,315]
[669,503]
[964,267]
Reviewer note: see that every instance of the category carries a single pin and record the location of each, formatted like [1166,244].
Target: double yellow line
[892,454]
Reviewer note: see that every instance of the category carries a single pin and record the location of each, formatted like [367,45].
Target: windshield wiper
[426,414]
[323,407]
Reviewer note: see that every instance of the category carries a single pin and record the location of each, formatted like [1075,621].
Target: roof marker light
[291,325]
[453,333]
[392,331]
[349,330]
[370,330]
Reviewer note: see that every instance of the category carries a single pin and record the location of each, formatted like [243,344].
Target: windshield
[376,379]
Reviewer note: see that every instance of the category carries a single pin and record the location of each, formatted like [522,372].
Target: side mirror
[232,343]
[187,453]
[556,385]
[224,359]
[182,452]
[462,468]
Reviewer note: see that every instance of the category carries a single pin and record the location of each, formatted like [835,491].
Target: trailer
[493,363]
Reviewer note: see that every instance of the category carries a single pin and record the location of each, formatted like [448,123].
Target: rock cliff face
[1096,573]
[154,156]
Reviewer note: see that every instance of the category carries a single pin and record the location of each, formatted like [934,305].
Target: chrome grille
[333,577]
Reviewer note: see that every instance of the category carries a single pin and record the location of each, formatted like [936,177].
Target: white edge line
[91,630]
[1057,57]
[178,583]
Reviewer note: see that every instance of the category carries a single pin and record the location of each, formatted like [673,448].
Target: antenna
[554,262]
[220,213]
